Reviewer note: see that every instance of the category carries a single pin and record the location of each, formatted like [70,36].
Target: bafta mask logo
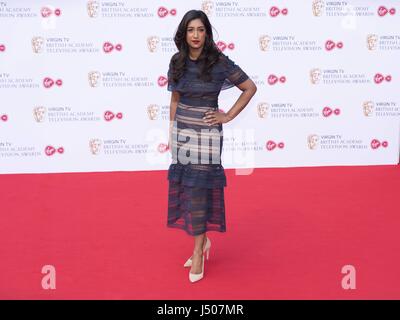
[39,114]
[264,41]
[37,44]
[152,43]
[94,78]
[262,109]
[372,41]
[318,7]
[368,108]
[207,7]
[315,76]
[152,111]
[95,145]
[312,141]
[93,9]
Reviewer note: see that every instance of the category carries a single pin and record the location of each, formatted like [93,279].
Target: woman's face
[195,34]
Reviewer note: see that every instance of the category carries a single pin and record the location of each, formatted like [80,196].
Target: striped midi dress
[196,177]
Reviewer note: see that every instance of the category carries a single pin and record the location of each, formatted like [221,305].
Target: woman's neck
[194,53]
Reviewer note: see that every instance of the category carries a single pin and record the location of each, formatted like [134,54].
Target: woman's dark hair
[209,55]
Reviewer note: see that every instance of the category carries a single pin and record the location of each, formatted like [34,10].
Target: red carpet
[289,233]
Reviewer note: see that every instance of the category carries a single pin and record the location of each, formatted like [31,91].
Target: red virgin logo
[50,150]
[163,12]
[109,47]
[4,117]
[162,81]
[273,79]
[271,145]
[48,82]
[223,46]
[383,11]
[375,144]
[47,12]
[379,78]
[330,45]
[2,48]
[327,111]
[162,147]
[275,11]
[109,115]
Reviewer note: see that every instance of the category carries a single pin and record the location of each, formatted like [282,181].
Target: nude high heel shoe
[206,250]
[196,277]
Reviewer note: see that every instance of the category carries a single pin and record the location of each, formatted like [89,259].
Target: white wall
[70,45]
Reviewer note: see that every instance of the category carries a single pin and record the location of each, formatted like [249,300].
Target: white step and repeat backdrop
[83,83]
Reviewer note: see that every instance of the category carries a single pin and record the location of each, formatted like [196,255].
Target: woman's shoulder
[223,58]
[224,63]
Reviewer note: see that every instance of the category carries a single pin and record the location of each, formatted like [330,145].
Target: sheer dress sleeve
[234,75]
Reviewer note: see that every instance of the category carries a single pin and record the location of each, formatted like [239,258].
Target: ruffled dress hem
[190,176]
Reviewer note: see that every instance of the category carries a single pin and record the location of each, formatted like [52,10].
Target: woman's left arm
[248,88]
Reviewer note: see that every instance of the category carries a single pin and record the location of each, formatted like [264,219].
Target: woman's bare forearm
[241,103]
[248,88]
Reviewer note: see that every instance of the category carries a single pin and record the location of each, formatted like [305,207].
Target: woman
[197,73]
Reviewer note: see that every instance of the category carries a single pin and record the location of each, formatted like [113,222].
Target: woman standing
[197,73]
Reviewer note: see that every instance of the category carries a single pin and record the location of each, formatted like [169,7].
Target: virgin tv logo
[47,12]
[49,82]
[275,11]
[163,12]
[50,150]
[271,145]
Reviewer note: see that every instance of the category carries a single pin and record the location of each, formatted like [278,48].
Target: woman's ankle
[197,252]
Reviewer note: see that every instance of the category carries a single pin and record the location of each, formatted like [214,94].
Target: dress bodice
[195,91]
